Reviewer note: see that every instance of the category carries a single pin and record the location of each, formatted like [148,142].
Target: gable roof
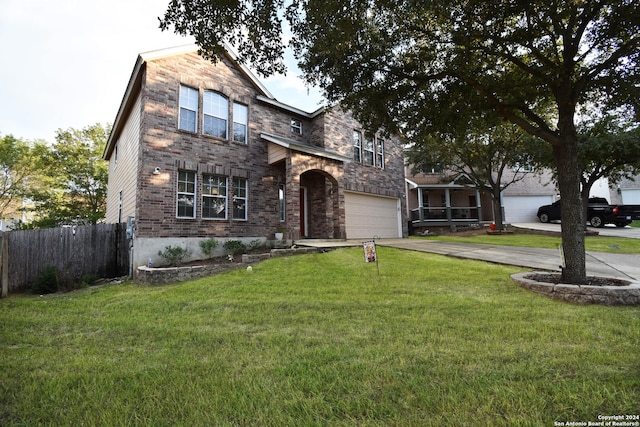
[135,82]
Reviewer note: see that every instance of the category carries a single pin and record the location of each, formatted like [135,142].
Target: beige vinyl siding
[276,153]
[123,175]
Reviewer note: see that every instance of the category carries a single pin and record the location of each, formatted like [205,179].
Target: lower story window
[214,197]
[239,198]
[186,194]
[281,202]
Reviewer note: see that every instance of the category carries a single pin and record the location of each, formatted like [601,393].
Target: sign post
[370,254]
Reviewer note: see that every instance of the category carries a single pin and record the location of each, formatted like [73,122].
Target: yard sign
[370,254]
[370,251]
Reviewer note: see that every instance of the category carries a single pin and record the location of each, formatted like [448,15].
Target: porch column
[479,206]
[339,222]
[420,205]
[447,202]
[292,200]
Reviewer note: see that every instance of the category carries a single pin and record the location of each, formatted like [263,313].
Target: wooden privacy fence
[100,251]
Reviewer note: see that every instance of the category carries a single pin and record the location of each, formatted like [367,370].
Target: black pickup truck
[599,213]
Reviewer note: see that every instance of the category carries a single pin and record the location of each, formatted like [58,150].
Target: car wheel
[596,221]
[544,217]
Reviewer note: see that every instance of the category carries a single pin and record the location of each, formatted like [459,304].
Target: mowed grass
[530,239]
[318,340]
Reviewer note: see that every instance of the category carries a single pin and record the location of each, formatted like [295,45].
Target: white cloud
[67,63]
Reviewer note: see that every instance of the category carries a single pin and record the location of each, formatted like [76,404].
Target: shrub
[174,255]
[88,280]
[208,246]
[47,281]
[255,244]
[234,247]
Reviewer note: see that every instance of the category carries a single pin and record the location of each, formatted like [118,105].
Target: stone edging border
[166,275]
[582,294]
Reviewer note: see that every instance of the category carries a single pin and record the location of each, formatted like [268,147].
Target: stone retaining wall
[164,275]
[582,294]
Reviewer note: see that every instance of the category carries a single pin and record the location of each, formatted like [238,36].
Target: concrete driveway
[607,230]
[622,266]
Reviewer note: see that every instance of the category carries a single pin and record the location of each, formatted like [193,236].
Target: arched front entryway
[320,215]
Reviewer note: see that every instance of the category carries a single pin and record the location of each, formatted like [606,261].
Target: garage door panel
[523,208]
[368,216]
[631,197]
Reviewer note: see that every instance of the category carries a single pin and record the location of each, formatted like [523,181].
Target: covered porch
[446,205]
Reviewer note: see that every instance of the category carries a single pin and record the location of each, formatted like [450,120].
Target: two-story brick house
[201,149]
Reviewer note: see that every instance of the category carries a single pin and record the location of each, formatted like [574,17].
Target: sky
[66,63]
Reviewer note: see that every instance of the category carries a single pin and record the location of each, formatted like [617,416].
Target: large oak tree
[414,67]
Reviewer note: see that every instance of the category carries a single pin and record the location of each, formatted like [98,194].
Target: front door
[473,210]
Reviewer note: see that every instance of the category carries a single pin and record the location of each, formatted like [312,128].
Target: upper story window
[216,111]
[240,122]
[380,153]
[296,126]
[186,194]
[357,146]
[214,196]
[367,150]
[188,119]
[430,169]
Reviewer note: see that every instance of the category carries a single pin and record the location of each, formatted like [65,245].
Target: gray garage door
[523,208]
[370,216]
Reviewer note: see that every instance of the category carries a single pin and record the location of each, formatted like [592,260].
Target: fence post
[4,264]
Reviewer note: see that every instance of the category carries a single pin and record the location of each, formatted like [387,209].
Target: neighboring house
[435,201]
[627,192]
[521,200]
[202,150]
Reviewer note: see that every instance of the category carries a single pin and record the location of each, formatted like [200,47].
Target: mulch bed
[591,280]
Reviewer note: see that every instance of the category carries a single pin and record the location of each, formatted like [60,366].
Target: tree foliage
[69,183]
[415,67]
[17,171]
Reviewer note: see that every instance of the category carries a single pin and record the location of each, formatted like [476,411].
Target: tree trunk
[573,222]
[584,194]
[498,220]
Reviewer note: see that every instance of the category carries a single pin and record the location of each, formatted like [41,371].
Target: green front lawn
[318,340]
[527,239]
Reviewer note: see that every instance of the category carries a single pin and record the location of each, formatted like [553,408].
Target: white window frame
[189,98]
[357,146]
[214,190]
[240,121]
[369,152]
[240,199]
[380,153]
[282,202]
[215,106]
[296,126]
[186,190]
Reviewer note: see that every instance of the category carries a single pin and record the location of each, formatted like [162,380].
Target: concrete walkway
[623,266]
